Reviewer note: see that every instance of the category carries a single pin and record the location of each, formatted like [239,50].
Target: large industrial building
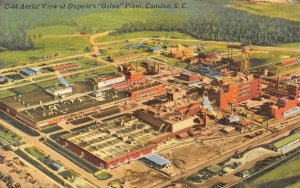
[237,90]
[103,81]
[286,143]
[171,116]
[116,141]
[147,90]
[284,108]
[42,108]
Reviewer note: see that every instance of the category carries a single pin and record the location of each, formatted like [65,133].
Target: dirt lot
[192,155]
[137,175]
[22,172]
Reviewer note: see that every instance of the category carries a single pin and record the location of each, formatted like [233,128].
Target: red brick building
[238,92]
[64,67]
[228,95]
[150,90]
[281,107]
[187,76]
[190,110]
[107,164]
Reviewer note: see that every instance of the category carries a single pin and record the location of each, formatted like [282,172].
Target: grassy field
[104,20]
[288,11]
[102,175]
[265,57]
[290,45]
[45,46]
[8,135]
[45,84]
[35,152]
[286,175]
[146,34]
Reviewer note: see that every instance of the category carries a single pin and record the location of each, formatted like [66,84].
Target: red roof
[288,61]
[65,67]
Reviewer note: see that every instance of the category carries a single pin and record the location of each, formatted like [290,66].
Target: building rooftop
[29,70]
[215,169]
[115,137]
[157,159]
[144,86]
[286,140]
[156,48]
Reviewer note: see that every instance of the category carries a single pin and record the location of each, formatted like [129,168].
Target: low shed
[156,161]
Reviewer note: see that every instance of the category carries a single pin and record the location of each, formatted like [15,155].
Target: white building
[59,90]
[111,81]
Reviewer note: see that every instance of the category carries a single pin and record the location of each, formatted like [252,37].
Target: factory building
[65,67]
[175,94]
[104,81]
[188,76]
[227,96]
[115,142]
[172,124]
[147,90]
[248,89]
[172,116]
[284,108]
[29,71]
[238,91]
[286,143]
[179,52]
[59,90]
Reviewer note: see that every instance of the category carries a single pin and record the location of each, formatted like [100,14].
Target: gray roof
[29,71]
[158,159]
[58,166]
[234,119]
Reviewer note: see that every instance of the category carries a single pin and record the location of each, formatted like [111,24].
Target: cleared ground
[289,11]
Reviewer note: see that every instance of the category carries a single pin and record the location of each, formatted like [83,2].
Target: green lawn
[290,45]
[54,30]
[40,155]
[102,175]
[36,153]
[261,58]
[8,135]
[113,19]
[45,46]
[288,174]
[289,11]
[146,34]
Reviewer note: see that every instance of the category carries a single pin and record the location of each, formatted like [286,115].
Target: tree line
[228,25]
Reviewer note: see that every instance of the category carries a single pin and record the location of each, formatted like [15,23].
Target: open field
[8,135]
[289,11]
[287,174]
[290,45]
[45,46]
[89,21]
[265,57]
